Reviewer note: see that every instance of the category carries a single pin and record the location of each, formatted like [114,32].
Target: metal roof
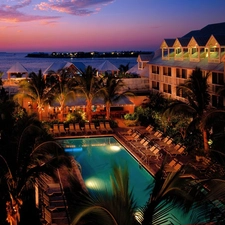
[207,31]
[107,66]
[187,64]
[184,41]
[17,68]
[170,41]
[56,66]
[146,57]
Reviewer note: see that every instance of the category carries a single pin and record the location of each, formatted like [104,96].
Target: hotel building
[174,62]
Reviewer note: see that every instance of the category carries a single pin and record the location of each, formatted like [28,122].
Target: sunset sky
[101,25]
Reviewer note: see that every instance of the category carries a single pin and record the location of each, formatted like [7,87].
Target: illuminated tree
[90,87]
[35,89]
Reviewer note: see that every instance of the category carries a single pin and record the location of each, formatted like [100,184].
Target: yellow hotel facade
[174,62]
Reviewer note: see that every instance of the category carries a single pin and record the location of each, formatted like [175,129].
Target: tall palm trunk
[40,113]
[205,141]
[62,113]
[88,110]
[107,107]
[148,215]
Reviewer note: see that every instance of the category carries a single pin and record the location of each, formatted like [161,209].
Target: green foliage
[75,117]
[131,116]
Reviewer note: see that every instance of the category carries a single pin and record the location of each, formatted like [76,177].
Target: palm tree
[210,206]
[166,194]
[124,68]
[63,88]
[30,160]
[174,191]
[196,92]
[35,89]
[113,90]
[90,87]
[115,207]
[214,121]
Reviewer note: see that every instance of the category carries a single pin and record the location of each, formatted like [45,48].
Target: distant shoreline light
[113,54]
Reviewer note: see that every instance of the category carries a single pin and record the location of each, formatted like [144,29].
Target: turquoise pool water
[97,156]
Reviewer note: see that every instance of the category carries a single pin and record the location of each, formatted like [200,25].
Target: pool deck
[152,166]
[190,166]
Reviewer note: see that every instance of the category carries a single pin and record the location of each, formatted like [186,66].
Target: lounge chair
[78,129]
[93,128]
[141,144]
[175,168]
[108,128]
[146,130]
[102,127]
[149,128]
[62,129]
[155,152]
[56,129]
[137,137]
[148,152]
[87,128]
[133,136]
[169,141]
[128,132]
[180,151]
[166,139]
[155,135]
[171,164]
[72,129]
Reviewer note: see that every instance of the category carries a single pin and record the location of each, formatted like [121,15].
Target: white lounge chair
[175,168]
[78,129]
[108,128]
[93,128]
[56,129]
[72,129]
[62,129]
[87,128]
[102,127]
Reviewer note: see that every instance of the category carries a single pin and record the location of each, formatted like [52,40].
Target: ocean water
[35,64]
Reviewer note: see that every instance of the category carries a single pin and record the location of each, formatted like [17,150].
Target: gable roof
[146,57]
[56,66]
[184,41]
[220,39]
[170,41]
[80,66]
[17,68]
[201,41]
[107,66]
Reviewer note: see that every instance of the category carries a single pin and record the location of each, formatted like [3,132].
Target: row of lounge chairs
[148,143]
[76,129]
[166,143]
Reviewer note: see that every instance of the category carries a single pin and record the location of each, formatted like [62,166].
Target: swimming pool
[97,156]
